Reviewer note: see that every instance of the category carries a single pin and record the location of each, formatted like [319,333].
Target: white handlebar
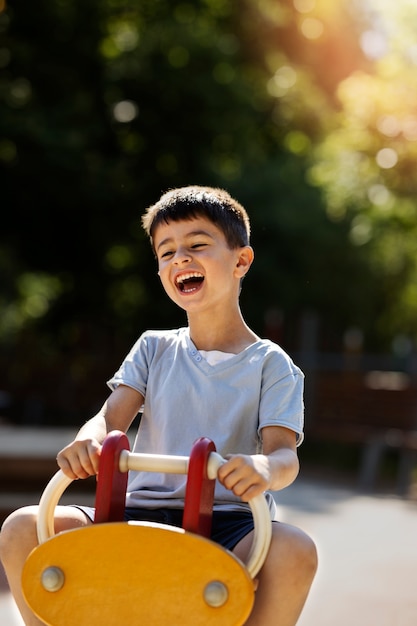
[169,464]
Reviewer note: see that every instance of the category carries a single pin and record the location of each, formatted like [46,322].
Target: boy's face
[197,268]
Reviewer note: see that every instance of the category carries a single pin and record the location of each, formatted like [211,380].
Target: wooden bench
[377,409]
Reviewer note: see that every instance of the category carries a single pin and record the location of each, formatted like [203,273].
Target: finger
[238,480]
[84,464]
[66,466]
[79,460]
[233,464]
[94,451]
[251,492]
[242,479]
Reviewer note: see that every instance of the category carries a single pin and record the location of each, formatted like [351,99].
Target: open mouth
[189,282]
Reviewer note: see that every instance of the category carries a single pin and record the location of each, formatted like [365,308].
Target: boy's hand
[247,476]
[80,458]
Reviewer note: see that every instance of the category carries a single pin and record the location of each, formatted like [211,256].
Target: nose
[182,255]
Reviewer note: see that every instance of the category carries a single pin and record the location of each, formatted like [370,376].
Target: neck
[230,334]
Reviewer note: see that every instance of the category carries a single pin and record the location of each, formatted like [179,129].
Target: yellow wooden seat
[128,573]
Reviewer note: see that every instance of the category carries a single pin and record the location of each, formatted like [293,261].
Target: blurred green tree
[365,165]
[105,104]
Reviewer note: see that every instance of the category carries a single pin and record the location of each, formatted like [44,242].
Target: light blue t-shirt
[187,398]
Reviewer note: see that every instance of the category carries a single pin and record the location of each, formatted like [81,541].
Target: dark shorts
[228,527]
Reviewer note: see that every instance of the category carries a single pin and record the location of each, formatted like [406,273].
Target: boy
[214,378]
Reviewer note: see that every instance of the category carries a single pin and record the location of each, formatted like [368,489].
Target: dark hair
[186,203]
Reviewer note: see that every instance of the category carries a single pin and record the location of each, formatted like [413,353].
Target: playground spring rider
[116,573]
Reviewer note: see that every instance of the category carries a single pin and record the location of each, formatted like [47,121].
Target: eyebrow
[194,233]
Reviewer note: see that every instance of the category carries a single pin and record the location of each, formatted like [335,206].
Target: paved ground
[368,555]
[367,550]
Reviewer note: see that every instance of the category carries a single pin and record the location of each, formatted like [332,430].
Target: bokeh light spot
[178,57]
[379,195]
[125,111]
[361,231]
[388,125]
[297,142]
[374,44]
[284,78]
[304,6]
[224,73]
[312,28]
[387,158]
[409,128]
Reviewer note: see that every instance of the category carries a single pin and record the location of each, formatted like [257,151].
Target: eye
[198,245]
[166,254]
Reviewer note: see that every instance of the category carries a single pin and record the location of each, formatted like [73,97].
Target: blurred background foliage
[305,110]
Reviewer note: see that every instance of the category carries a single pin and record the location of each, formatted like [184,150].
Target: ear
[245,259]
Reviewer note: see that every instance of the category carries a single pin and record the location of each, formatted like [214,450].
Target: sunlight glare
[374,44]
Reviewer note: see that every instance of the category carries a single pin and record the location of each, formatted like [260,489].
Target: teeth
[183,277]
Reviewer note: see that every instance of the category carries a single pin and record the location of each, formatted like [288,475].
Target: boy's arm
[249,475]
[80,458]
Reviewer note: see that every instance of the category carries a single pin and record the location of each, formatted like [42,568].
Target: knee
[18,533]
[296,549]
[306,553]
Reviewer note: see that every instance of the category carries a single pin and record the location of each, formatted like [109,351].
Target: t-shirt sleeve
[133,372]
[282,401]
